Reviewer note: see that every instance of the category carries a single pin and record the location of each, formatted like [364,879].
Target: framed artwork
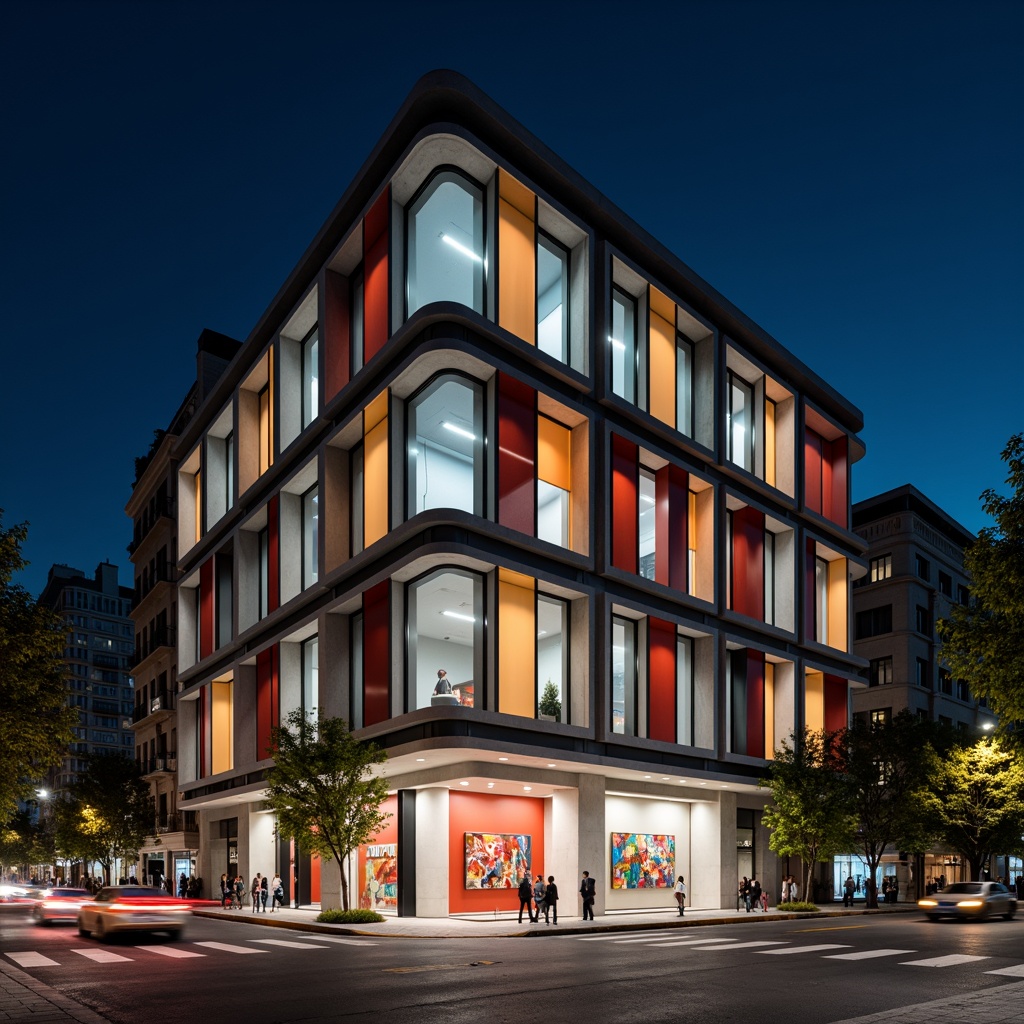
[642,861]
[380,877]
[497,860]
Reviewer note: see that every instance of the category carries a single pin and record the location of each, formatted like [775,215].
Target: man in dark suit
[525,898]
[588,890]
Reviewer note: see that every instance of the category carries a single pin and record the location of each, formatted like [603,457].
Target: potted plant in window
[550,707]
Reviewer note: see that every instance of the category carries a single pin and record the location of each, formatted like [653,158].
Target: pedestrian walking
[240,890]
[254,892]
[551,900]
[277,888]
[755,893]
[680,893]
[264,893]
[849,886]
[226,890]
[745,892]
[588,890]
[538,898]
[525,898]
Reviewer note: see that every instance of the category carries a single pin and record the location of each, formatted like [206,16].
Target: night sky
[850,175]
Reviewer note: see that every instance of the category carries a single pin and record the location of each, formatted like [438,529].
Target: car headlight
[927,903]
[971,903]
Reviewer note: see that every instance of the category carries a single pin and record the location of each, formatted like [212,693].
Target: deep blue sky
[848,174]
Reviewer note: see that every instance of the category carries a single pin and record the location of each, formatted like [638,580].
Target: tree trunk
[344,884]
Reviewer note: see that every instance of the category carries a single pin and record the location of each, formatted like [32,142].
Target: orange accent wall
[473,812]
[359,895]
[314,879]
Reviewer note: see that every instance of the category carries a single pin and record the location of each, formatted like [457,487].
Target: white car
[133,908]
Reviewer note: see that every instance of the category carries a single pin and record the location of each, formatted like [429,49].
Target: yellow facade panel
[222,758]
[663,306]
[769,709]
[814,701]
[517,647]
[838,595]
[769,443]
[662,368]
[375,412]
[517,272]
[516,194]
[375,482]
[554,453]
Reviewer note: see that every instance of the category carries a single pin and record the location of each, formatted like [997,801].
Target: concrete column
[574,838]
[712,882]
[431,865]
[330,884]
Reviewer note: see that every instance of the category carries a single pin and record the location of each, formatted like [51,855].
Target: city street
[808,971]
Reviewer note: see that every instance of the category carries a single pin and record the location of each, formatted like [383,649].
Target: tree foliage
[35,718]
[322,787]
[889,767]
[983,642]
[977,802]
[811,811]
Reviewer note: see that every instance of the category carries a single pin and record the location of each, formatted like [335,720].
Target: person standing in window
[443,684]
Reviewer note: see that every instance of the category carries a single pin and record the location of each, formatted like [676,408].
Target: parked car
[134,908]
[59,904]
[972,900]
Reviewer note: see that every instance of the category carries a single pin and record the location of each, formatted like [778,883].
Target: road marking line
[1017,971]
[171,951]
[944,961]
[344,942]
[832,928]
[615,936]
[226,947]
[31,960]
[102,956]
[805,949]
[691,942]
[867,954]
[289,943]
[745,945]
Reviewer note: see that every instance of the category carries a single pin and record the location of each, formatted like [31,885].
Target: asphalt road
[791,972]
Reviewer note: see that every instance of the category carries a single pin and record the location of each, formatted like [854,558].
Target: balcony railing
[162,636]
[163,701]
[183,821]
[162,763]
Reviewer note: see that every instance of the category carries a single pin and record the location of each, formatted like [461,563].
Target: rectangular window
[962,594]
[769,577]
[945,682]
[266,432]
[229,476]
[924,677]
[623,695]
[873,622]
[622,343]
[224,602]
[197,495]
[310,675]
[924,621]
[880,717]
[963,691]
[310,377]
[310,535]
[357,322]
[356,492]
[945,584]
[881,568]
[821,600]
[553,651]
[684,691]
[552,298]
[646,533]
[264,573]
[554,481]
[356,645]
[881,671]
[924,569]
[740,424]
[684,386]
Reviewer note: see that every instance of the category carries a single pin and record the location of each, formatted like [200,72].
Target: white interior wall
[432,654]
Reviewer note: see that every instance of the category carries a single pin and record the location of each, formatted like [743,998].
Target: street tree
[889,766]
[111,810]
[983,641]
[811,812]
[35,719]
[17,843]
[976,802]
[323,789]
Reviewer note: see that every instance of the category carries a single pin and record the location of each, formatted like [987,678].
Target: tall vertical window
[553,648]
[266,438]
[446,446]
[310,675]
[358,300]
[310,535]
[554,481]
[552,298]
[224,604]
[197,495]
[924,676]
[646,528]
[684,386]
[769,577]
[229,474]
[623,709]
[821,600]
[356,493]
[445,632]
[446,243]
[881,671]
[622,343]
[356,646]
[310,377]
[684,691]
[881,568]
[924,567]
[264,572]
[740,424]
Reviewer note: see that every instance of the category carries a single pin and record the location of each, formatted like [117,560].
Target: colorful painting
[497,861]
[641,861]
[380,877]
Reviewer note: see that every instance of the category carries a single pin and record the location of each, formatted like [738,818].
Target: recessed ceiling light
[463,783]
[502,758]
[664,778]
[527,789]
[461,431]
[490,785]
[703,783]
[647,776]
[459,616]
[421,759]
[552,765]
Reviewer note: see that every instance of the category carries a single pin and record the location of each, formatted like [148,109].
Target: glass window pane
[552,514]
[445,632]
[769,577]
[684,387]
[446,244]
[623,345]
[445,447]
[552,298]
[310,533]
[646,533]
[357,321]
[357,511]
[552,619]
[310,382]
[623,676]
[821,602]
[357,671]
[310,675]
[684,690]
[741,429]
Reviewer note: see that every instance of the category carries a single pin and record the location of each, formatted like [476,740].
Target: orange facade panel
[517,644]
[838,620]
[517,259]
[554,453]
[375,469]
[222,730]
[662,392]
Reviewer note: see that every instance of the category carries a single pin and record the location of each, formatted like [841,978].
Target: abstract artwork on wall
[496,860]
[641,861]
[380,877]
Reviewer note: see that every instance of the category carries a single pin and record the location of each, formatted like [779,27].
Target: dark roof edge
[907,498]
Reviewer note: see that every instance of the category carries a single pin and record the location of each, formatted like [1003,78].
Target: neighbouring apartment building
[490,426]
[173,847]
[98,654]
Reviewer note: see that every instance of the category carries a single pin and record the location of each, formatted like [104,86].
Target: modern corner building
[98,654]
[173,847]
[489,425]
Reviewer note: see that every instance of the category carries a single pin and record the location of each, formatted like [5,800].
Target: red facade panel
[376,291]
[836,704]
[205,624]
[835,497]
[625,516]
[377,653]
[335,333]
[517,454]
[812,470]
[755,703]
[274,553]
[748,562]
[671,524]
[268,698]
[661,682]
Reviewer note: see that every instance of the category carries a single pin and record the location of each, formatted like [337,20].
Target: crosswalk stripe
[31,960]
[614,937]
[290,944]
[226,947]
[626,942]
[690,942]
[943,961]
[171,951]
[867,954]
[102,956]
[743,945]
[805,949]
[341,941]
[1017,971]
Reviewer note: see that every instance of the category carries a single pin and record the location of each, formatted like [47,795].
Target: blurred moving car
[970,899]
[60,904]
[133,908]
[11,892]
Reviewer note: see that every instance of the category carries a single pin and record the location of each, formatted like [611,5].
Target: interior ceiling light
[647,776]
[463,783]
[461,431]
[502,758]
[459,247]
[459,616]
[617,344]
[490,785]
[421,759]
[552,765]
[527,789]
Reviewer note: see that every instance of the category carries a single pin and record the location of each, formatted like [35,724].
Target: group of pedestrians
[261,890]
[753,895]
